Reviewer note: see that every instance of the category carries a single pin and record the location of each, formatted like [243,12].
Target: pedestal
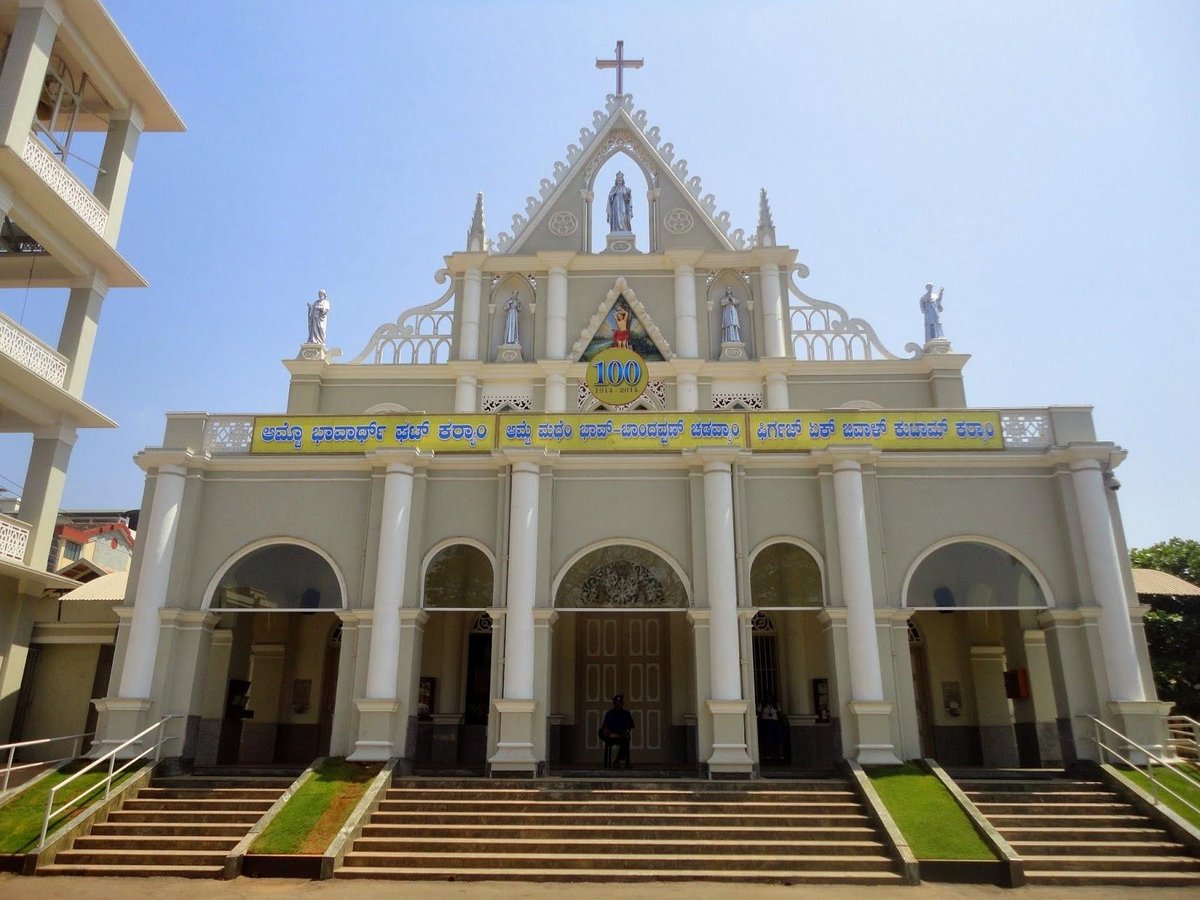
[621,242]
[733,351]
[514,748]
[872,720]
[120,719]
[509,353]
[730,756]
[1144,722]
[376,730]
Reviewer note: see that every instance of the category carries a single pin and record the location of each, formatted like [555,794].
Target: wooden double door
[628,654]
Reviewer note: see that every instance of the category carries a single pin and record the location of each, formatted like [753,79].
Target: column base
[376,730]
[514,746]
[872,720]
[1144,722]
[121,718]
[729,756]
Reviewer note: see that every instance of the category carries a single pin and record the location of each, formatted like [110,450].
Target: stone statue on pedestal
[931,306]
[512,323]
[318,314]
[620,206]
[731,326]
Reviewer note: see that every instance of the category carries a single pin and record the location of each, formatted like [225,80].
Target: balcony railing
[63,182]
[40,359]
[14,538]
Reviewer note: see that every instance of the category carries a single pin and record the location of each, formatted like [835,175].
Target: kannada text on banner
[359,434]
[930,429]
[628,432]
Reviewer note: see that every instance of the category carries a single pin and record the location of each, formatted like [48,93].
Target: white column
[555,371]
[25,64]
[157,544]
[116,167]
[522,571]
[687,388]
[772,310]
[384,659]
[687,343]
[77,338]
[1105,570]
[866,682]
[777,390]
[724,657]
[465,392]
[556,313]
[468,338]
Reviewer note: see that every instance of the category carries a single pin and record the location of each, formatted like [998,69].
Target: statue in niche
[512,319]
[731,326]
[318,314]
[931,306]
[620,206]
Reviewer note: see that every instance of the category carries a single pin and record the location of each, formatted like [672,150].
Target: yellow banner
[623,432]
[360,434]
[927,429]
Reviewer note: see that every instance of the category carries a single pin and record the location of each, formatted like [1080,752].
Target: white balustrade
[39,358]
[1026,428]
[14,538]
[228,435]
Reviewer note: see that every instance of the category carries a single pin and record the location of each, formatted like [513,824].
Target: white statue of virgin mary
[620,206]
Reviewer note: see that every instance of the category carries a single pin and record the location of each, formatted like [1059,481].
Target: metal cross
[620,64]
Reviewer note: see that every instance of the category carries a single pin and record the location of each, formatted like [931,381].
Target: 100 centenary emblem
[617,376]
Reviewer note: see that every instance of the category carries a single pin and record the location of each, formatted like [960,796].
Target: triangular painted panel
[621,319]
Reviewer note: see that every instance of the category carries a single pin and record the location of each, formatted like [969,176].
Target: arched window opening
[279,577]
[621,577]
[785,575]
[973,575]
[459,577]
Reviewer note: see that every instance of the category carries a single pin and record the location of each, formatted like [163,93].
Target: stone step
[617,796]
[184,815]
[269,794]
[833,875]
[1075,808]
[1074,863]
[194,782]
[152,804]
[612,863]
[198,829]
[583,784]
[1119,879]
[1030,849]
[141,858]
[668,820]
[681,844]
[600,807]
[615,834]
[135,871]
[1042,796]
[142,842]
[1033,834]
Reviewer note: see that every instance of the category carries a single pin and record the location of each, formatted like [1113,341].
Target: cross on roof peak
[620,64]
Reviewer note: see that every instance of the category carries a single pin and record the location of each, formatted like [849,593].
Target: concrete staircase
[1077,831]
[621,831]
[182,826]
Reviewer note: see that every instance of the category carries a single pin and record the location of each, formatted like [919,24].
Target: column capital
[555,367]
[987,652]
[716,459]
[687,365]
[413,617]
[1082,455]
[96,282]
[526,460]
[832,615]
[556,259]
[173,462]
[464,368]
[699,617]
[399,462]
[52,8]
[681,259]
[898,617]
[844,458]
[66,434]
[183,618]
[544,617]
[465,261]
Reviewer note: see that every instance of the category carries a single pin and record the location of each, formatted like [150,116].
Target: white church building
[455,548]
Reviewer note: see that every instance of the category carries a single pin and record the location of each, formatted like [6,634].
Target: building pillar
[687,339]
[468,337]
[543,678]
[116,168]
[871,712]
[1041,686]
[996,736]
[466,389]
[776,384]
[379,704]
[687,386]
[773,318]
[44,482]
[556,313]
[77,339]
[1129,710]
[556,384]
[726,704]
[515,743]
[25,63]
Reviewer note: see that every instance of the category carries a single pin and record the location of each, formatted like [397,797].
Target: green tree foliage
[1173,624]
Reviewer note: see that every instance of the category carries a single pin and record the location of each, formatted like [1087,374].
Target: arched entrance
[454,695]
[987,697]
[622,631]
[792,672]
[271,692]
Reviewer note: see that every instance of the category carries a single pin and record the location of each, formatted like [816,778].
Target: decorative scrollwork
[762,623]
[622,585]
[825,331]
[563,224]
[482,624]
[421,335]
[737,400]
[679,221]
[14,538]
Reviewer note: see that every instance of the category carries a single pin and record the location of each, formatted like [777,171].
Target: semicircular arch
[672,565]
[803,545]
[266,543]
[439,549]
[990,542]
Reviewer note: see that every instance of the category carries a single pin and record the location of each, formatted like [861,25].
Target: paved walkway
[14,887]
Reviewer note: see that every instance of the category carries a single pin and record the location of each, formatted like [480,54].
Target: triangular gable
[621,129]
[644,337]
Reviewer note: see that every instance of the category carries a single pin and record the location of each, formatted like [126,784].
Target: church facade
[457,546]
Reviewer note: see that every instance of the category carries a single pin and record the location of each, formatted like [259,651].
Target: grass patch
[926,814]
[1170,779]
[21,817]
[316,812]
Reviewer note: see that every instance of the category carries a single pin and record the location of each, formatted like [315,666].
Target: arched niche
[458,576]
[620,576]
[786,575]
[503,291]
[729,280]
[277,575]
[638,178]
[972,573]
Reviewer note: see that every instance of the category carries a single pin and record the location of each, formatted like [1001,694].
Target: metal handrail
[106,783]
[1150,757]
[1183,733]
[14,747]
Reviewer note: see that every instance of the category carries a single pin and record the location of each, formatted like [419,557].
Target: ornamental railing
[421,335]
[42,360]
[14,538]
[1026,429]
[63,182]
[228,435]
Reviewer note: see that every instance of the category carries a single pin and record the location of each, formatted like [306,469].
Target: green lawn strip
[928,816]
[318,810]
[21,817]
[1189,791]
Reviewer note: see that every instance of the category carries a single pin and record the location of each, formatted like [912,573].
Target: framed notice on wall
[425,692]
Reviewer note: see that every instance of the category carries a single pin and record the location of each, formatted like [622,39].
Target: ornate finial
[766,225]
[477,236]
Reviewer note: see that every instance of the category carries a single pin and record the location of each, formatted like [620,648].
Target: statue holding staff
[931,306]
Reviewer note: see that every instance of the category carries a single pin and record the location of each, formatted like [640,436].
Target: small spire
[477,236]
[766,225]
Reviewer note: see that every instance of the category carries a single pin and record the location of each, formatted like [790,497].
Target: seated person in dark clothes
[618,725]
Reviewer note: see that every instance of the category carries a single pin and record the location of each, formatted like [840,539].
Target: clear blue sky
[1039,159]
